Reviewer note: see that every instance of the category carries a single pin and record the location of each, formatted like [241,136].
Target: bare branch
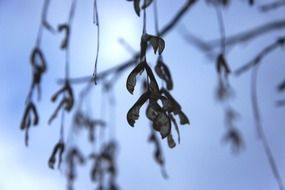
[257,59]
[251,34]
[235,39]
[272,6]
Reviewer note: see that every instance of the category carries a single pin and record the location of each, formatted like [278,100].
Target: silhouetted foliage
[162,109]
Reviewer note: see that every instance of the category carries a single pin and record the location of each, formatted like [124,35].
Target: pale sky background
[201,161]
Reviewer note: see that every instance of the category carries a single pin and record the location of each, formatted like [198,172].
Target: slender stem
[43,20]
[72,11]
[96,21]
[144,22]
[67,63]
[62,126]
[156,23]
[39,36]
[222,29]
[67,52]
[272,5]
[259,128]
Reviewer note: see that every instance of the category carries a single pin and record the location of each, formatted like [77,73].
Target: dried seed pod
[133,113]
[235,139]
[66,103]
[58,149]
[30,112]
[157,43]
[222,66]
[73,156]
[175,125]
[152,111]
[170,141]
[174,107]
[64,28]
[39,65]
[183,118]
[137,7]
[131,80]
[162,122]
[38,60]
[26,121]
[104,166]
[163,72]
[153,86]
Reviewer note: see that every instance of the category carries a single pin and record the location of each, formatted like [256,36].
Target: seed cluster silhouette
[162,109]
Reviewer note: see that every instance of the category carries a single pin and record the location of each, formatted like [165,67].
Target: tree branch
[257,59]
[235,39]
[272,5]
[253,33]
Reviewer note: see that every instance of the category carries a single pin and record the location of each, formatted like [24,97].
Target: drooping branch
[207,49]
[259,128]
[258,58]
[272,5]
[209,46]
[96,22]
[251,34]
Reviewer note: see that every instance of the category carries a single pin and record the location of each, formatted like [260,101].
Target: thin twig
[155,11]
[144,22]
[198,43]
[222,29]
[258,58]
[70,19]
[43,22]
[96,21]
[62,126]
[127,46]
[72,12]
[250,34]
[235,39]
[259,128]
[272,6]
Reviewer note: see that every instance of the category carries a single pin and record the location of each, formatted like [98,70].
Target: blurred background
[202,160]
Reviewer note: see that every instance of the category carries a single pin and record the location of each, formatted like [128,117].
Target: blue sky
[201,161]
